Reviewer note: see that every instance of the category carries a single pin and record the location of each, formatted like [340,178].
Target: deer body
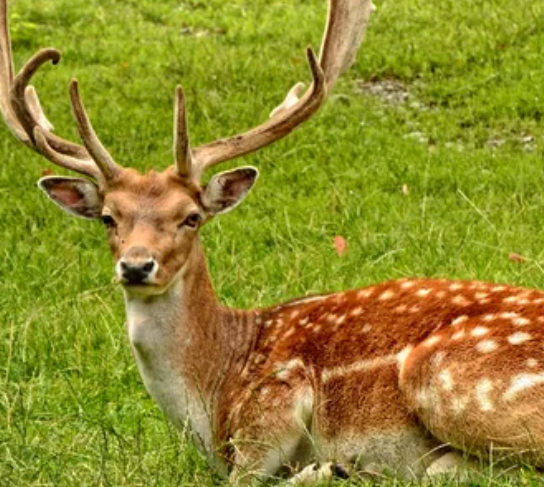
[404,376]
[374,377]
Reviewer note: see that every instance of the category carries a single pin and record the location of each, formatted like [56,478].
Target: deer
[415,377]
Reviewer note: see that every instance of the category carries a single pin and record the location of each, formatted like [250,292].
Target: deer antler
[346,23]
[22,112]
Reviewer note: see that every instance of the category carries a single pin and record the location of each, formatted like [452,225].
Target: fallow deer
[407,376]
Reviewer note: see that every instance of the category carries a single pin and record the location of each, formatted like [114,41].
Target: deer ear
[227,189]
[76,196]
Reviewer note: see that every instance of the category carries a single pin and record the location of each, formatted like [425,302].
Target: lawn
[427,159]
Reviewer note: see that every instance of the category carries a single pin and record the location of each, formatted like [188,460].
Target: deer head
[153,219]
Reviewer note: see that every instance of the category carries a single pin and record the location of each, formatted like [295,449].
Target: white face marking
[519,337]
[521,382]
[446,380]
[479,331]
[483,388]
[386,295]
[460,300]
[487,346]
[423,292]
[459,320]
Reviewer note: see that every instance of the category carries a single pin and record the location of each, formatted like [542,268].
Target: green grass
[467,144]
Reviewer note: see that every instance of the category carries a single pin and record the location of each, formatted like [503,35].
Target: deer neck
[186,344]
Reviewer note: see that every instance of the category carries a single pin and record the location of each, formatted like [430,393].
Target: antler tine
[100,155]
[182,148]
[346,24]
[22,112]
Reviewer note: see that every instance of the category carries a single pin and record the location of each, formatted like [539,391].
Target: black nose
[136,272]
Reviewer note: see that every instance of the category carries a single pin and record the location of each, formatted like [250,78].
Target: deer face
[152,220]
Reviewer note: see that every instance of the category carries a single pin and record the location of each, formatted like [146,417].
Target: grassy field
[427,159]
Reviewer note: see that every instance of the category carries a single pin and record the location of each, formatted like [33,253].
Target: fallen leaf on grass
[340,245]
[517,258]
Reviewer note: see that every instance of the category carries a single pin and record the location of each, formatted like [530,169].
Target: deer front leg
[272,436]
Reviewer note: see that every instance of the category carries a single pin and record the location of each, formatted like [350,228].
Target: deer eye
[108,221]
[192,220]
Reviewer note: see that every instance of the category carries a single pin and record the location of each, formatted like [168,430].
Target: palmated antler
[22,112]
[346,23]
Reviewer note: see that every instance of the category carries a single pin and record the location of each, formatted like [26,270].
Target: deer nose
[136,272]
[136,266]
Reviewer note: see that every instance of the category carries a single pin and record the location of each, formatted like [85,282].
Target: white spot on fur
[401,308]
[479,331]
[519,337]
[446,380]
[497,289]
[487,346]
[402,356]
[423,292]
[531,363]
[437,359]
[521,321]
[456,286]
[432,341]
[356,311]
[361,366]
[388,294]
[304,321]
[521,382]
[340,319]
[365,293]
[460,300]
[489,317]
[483,389]
[366,328]
[441,294]
[284,370]
[459,320]
[414,309]
[458,335]
[459,403]
[407,284]
[510,299]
